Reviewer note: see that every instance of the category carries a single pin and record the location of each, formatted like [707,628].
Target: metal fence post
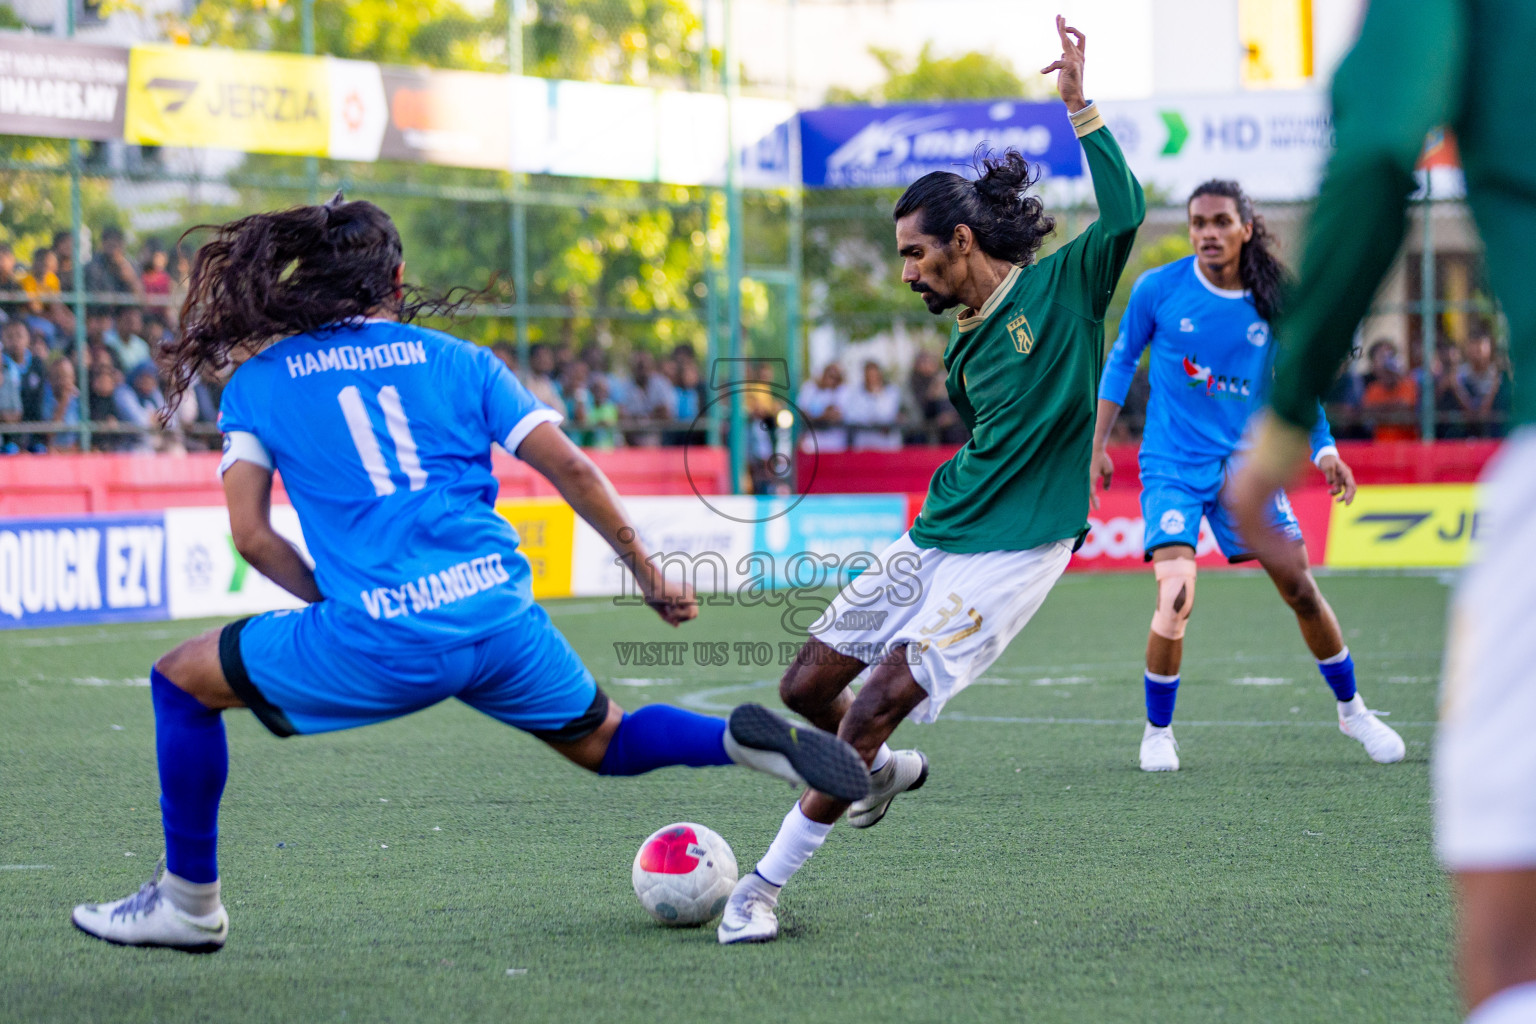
[1428,327]
[311,164]
[735,253]
[77,269]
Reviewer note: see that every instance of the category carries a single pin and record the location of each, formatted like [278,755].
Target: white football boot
[1159,750]
[906,771]
[1380,740]
[148,918]
[749,913]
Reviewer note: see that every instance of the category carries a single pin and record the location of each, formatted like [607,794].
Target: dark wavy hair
[1007,223]
[1262,273]
[295,271]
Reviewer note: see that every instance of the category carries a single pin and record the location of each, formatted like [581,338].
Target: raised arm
[1098,255]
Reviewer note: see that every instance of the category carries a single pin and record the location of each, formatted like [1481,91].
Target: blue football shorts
[300,674]
[1174,497]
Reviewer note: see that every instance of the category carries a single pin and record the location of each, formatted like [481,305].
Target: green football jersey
[1024,373]
[1465,64]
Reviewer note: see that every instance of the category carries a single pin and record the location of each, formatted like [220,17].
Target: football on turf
[683,874]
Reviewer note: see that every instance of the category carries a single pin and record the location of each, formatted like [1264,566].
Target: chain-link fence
[595,285]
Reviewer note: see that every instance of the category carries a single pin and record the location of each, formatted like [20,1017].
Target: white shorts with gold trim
[956,613]
[1485,755]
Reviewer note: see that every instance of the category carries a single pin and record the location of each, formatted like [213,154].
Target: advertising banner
[1116,531]
[546,529]
[1275,142]
[71,570]
[206,576]
[1405,526]
[228,99]
[867,147]
[359,110]
[813,543]
[694,541]
[453,118]
[61,90]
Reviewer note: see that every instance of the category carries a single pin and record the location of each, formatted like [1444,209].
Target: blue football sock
[1339,671]
[194,762]
[1162,691]
[659,735]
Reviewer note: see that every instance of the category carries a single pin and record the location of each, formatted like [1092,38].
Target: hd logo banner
[228,99]
[205,575]
[1405,527]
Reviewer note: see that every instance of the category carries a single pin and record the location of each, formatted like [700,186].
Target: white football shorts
[954,612]
[1485,755]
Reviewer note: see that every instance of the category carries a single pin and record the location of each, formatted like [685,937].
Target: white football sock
[798,838]
[1515,1005]
[1336,658]
[882,758]
[196,898]
[1354,706]
[765,889]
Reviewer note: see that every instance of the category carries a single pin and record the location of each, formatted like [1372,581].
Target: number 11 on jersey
[360,425]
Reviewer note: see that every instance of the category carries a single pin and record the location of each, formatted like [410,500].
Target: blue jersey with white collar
[382,433]
[1209,366]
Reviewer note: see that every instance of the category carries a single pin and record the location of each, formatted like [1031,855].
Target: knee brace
[1175,596]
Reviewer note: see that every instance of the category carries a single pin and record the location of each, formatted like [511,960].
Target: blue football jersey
[1209,366]
[382,433]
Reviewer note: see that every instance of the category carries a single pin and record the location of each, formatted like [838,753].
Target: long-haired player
[382,431]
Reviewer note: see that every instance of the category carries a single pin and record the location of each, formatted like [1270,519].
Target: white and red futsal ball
[684,873]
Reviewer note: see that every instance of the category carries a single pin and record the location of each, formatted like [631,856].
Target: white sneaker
[906,771]
[1380,740]
[148,918]
[1159,750]
[749,915]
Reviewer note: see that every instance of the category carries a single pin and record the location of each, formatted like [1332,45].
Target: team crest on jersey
[1023,337]
[1258,334]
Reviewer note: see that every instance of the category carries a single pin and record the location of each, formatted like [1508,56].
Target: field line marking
[26,867]
[708,700]
[960,716]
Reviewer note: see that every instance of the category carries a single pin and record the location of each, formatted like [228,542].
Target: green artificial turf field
[446,868]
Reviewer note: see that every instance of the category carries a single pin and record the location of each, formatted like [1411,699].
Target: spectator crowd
[133,298]
[1470,385]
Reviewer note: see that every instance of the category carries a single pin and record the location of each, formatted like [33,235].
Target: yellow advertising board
[546,528]
[228,99]
[1404,526]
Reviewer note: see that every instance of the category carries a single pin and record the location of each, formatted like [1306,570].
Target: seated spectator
[157,276]
[61,404]
[769,468]
[106,380]
[1482,389]
[13,337]
[165,430]
[41,281]
[1342,403]
[539,379]
[602,417]
[651,399]
[873,411]
[1391,401]
[821,400]
[29,372]
[11,290]
[928,392]
[507,353]
[126,337]
[110,271]
[599,366]
[578,399]
[64,254]
[690,405]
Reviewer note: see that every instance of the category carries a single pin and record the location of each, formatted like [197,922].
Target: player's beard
[937,302]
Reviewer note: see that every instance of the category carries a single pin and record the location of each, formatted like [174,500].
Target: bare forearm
[593,497]
[275,557]
[1109,413]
